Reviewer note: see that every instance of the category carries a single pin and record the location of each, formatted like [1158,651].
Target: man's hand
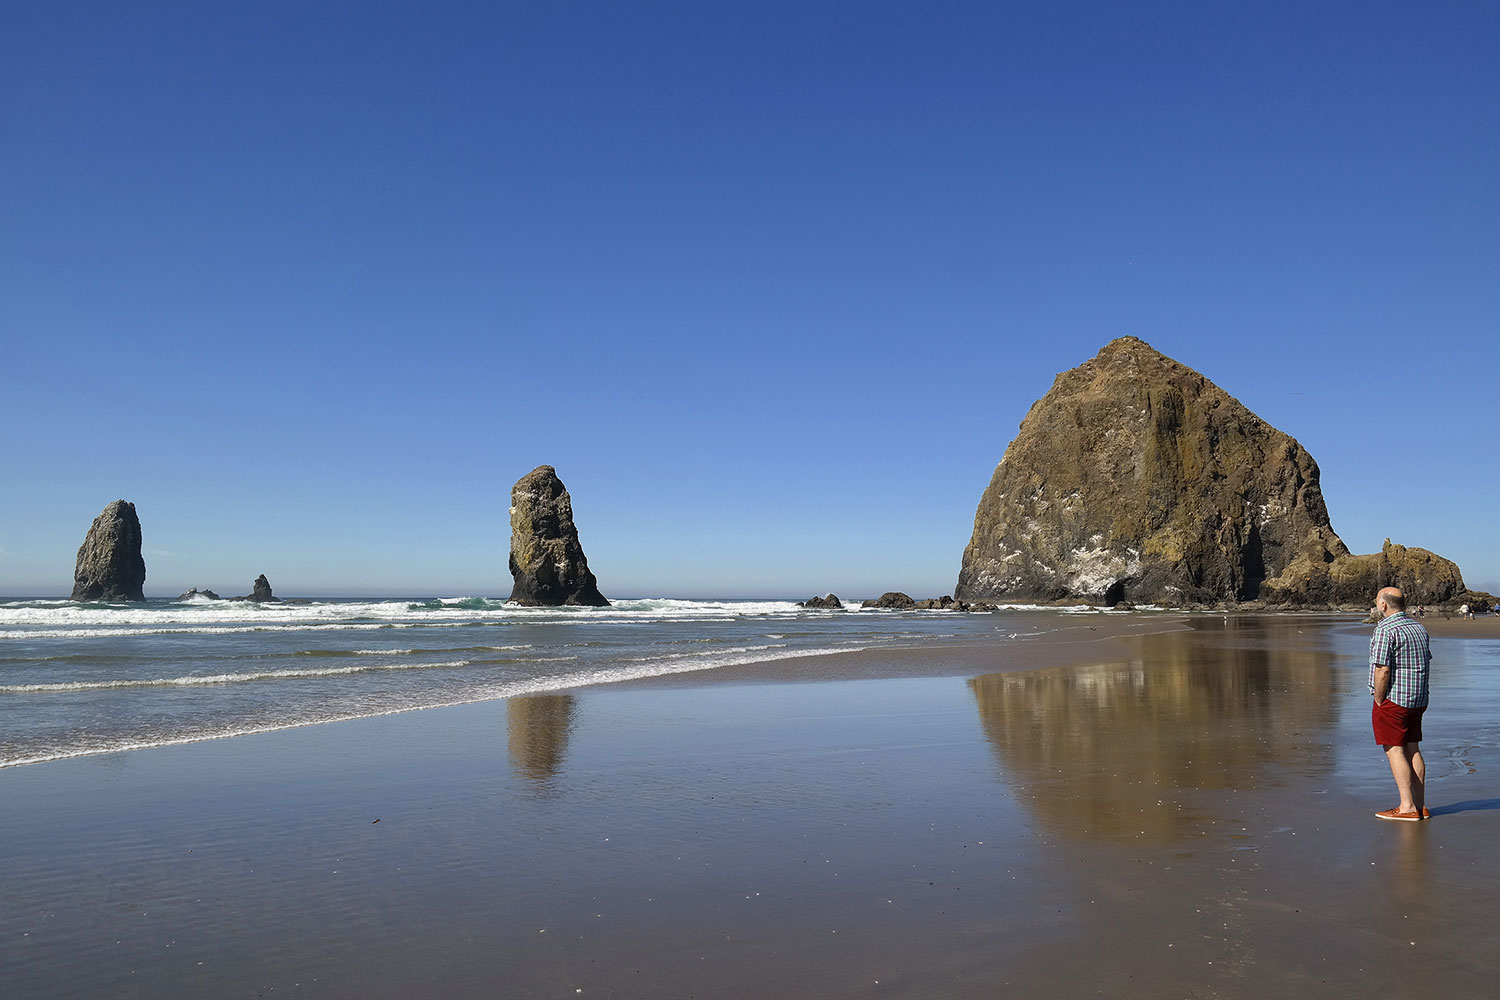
[1382,682]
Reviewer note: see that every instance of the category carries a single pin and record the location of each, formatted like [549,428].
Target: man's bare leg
[1413,754]
[1401,770]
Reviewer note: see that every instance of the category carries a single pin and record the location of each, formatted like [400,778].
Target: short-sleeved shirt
[1400,642]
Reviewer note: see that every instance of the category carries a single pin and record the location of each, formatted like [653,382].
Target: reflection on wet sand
[1114,751]
[538,726]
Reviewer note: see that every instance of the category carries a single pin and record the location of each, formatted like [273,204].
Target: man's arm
[1382,681]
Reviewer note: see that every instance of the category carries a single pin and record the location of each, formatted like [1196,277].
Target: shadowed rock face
[260,592]
[1136,478]
[110,566]
[546,559]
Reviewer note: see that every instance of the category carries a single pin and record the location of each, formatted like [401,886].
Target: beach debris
[110,566]
[546,558]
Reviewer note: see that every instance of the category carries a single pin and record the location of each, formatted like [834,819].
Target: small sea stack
[110,566]
[546,559]
[260,592]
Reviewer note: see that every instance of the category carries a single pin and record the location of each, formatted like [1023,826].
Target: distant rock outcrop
[260,592]
[891,599]
[894,600]
[110,566]
[1137,478]
[546,559]
[831,602]
[195,592]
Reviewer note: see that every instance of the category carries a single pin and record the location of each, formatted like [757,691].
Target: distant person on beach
[1399,661]
[1463,611]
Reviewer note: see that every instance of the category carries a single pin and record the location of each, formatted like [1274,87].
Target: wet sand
[1481,627]
[1164,807]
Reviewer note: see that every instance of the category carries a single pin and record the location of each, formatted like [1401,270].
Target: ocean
[79,679]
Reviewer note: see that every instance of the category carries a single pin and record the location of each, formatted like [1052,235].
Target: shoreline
[1187,798]
[1091,640]
[1088,641]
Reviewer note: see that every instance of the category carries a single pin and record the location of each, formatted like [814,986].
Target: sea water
[80,679]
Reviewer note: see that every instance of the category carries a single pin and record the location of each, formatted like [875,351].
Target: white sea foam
[195,680]
[67,619]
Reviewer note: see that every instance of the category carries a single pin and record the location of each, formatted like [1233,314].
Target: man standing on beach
[1399,661]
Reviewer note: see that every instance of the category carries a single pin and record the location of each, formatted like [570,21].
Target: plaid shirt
[1400,643]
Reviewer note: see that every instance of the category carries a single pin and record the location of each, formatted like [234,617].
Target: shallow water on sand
[80,679]
[1191,817]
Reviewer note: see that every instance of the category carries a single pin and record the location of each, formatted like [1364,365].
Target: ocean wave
[510,689]
[73,620]
[195,680]
[410,652]
[732,651]
[464,603]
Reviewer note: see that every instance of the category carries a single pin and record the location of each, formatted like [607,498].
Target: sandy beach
[1144,806]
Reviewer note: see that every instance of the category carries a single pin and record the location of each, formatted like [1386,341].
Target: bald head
[1392,598]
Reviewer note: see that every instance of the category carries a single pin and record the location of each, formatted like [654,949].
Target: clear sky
[771,284]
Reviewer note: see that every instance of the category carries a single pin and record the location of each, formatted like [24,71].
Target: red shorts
[1396,726]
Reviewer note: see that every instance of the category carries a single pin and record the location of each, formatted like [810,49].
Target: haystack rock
[110,566]
[1136,478]
[546,558]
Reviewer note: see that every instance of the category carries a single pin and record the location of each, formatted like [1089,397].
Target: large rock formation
[1137,478]
[110,566]
[546,559]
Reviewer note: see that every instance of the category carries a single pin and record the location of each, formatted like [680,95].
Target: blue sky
[771,284]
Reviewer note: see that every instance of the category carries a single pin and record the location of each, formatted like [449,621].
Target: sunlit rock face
[546,558]
[110,566]
[1136,478]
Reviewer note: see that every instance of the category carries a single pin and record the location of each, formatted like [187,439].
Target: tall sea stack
[110,566]
[1136,478]
[546,558]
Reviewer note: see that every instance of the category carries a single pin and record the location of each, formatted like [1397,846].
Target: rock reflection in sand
[538,726]
[1117,751]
